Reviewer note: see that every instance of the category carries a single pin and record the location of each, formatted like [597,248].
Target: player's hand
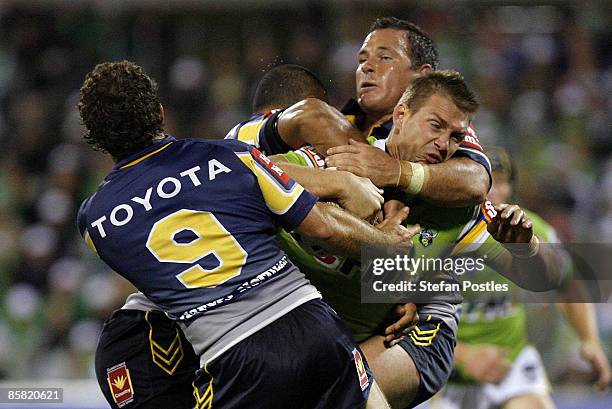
[484,363]
[359,195]
[390,208]
[408,317]
[365,160]
[393,225]
[594,354]
[510,225]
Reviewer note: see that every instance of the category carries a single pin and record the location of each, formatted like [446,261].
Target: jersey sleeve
[475,238]
[284,197]
[305,156]
[261,131]
[470,147]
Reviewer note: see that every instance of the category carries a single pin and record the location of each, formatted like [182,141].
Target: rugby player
[431,118]
[494,364]
[392,55]
[190,224]
[152,346]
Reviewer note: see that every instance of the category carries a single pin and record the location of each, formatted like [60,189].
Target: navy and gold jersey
[469,147]
[260,131]
[192,223]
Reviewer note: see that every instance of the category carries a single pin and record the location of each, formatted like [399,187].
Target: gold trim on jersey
[204,401]
[89,241]
[474,238]
[168,359]
[424,338]
[136,161]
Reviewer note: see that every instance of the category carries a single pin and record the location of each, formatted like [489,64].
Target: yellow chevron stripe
[204,401]
[419,343]
[168,360]
[424,337]
[170,370]
[167,351]
[134,162]
[155,355]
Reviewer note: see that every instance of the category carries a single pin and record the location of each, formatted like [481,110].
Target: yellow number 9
[212,238]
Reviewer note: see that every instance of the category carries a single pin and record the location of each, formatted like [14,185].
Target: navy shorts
[304,360]
[144,361]
[431,345]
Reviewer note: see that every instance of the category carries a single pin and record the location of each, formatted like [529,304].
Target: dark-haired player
[394,53]
[140,336]
[191,224]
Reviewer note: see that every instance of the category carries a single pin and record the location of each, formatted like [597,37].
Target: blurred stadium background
[542,70]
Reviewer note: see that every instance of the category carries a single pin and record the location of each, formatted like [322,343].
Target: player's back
[191,224]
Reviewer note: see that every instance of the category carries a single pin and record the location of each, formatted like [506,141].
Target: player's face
[384,70]
[430,135]
[501,189]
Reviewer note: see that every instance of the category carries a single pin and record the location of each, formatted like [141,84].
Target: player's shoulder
[222,146]
[232,145]
[246,130]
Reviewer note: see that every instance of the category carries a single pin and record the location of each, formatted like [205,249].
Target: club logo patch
[426,237]
[120,384]
[362,374]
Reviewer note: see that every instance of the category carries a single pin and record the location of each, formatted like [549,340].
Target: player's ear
[399,112]
[425,69]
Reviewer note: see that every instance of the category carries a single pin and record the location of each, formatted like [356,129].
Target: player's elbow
[476,191]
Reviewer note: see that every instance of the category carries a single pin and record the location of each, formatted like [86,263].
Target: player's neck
[374,119]
[158,137]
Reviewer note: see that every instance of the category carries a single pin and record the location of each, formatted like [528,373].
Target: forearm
[542,272]
[316,123]
[581,317]
[344,234]
[325,184]
[457,182]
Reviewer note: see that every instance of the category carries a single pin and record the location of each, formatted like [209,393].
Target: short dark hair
[120,108]
[422,48]
[285,85]
[447,82]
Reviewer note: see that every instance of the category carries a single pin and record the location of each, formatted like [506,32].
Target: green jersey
[452,230]
[500,321]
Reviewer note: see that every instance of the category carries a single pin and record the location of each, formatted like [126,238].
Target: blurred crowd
[542,72]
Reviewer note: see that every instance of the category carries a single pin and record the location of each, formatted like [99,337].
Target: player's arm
[458,182]
[341,233]
[334,229]
[582,318]
[356,194]
[316,123]
[521,258]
